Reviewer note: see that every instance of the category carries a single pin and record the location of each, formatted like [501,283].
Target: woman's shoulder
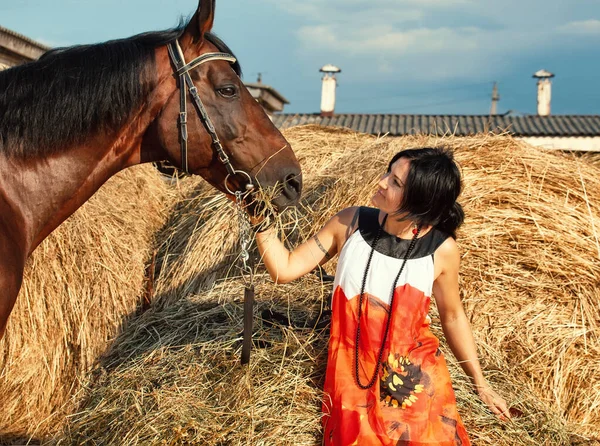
[357,215]
[342,219]
[348,214]
[348,218]
[358,210]
[345,223]
[447,251]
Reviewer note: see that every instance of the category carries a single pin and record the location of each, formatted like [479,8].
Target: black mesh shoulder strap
[368,219]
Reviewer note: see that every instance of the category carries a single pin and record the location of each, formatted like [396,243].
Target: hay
[176,379]
[81,284]
[182,267]
[529,282]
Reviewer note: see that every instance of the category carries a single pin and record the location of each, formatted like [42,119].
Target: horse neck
[46,191]
[43,192]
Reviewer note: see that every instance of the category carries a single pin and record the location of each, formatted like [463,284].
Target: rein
[187,84]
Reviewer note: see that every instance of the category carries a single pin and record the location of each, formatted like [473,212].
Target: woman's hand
[262,222]
[261,216]
[493,401]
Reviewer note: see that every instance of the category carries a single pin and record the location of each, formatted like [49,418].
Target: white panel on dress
[382,272]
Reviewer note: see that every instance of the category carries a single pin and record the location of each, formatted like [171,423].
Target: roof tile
[460,125]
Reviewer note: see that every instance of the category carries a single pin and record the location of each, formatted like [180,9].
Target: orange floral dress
[412,402]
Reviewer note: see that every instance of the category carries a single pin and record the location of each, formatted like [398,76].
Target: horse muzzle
[287,191]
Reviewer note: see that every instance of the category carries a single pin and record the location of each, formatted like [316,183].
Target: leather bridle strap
[186,84]
[205,58]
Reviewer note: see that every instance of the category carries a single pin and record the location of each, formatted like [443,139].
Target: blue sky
[396,56]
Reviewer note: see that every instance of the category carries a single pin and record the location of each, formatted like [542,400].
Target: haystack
[529,282]
[81,284]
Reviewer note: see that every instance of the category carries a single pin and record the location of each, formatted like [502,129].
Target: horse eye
[227,92]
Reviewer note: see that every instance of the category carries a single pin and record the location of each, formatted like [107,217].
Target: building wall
[584,144]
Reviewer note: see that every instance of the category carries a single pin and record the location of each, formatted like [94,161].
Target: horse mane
[71,93]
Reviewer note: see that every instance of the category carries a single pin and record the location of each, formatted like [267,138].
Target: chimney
[544,92]
[495,99]
[328,90]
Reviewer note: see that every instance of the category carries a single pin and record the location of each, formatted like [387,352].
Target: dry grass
[80,285]
[530,275]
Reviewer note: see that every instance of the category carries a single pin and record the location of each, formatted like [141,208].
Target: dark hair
[432,186]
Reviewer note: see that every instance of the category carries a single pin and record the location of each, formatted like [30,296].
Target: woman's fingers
[492,406]
[504,412]
[496,404]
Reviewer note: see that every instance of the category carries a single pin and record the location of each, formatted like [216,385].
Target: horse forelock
[72,93]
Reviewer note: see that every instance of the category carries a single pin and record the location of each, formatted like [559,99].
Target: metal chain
[247,275]
[245,239]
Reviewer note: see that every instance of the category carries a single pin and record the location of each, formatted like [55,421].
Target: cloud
[582,27]
[424,40]
[418,53]
[396,37]
[364,11]
[348,13]
[401,8]
[389,40]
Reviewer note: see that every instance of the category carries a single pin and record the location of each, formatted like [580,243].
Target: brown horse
[77,116]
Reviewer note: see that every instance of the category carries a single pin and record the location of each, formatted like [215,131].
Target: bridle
[186,84]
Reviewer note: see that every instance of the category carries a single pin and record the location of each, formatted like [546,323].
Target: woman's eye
[227,92]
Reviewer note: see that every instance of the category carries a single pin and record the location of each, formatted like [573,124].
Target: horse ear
[205,16]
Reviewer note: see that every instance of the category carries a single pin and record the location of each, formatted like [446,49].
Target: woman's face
[391,187]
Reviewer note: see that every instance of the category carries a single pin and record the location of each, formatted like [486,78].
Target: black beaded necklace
[360,302]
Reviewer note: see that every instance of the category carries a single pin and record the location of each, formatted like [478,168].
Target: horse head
[235,143]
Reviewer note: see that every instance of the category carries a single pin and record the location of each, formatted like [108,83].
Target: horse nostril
[292,186]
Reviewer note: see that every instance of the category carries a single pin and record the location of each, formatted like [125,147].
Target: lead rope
[247,274]
[186,84]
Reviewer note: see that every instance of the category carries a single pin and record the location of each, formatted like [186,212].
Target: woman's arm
[456,325]
[285,266]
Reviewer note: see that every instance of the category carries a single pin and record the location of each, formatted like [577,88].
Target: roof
[459,125]
[32,42]
[330,69]
[542,74]
[261,86]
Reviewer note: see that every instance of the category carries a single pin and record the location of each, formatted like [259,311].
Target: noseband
[186,84]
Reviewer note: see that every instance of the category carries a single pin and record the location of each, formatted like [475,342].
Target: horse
[78,115]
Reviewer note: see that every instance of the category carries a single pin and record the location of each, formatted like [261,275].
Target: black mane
[70,93]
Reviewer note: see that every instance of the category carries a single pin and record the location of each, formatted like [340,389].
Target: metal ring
[235,172]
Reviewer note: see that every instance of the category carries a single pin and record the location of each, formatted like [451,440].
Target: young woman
[387,382]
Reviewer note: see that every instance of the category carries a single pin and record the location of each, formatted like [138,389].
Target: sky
[396,56]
